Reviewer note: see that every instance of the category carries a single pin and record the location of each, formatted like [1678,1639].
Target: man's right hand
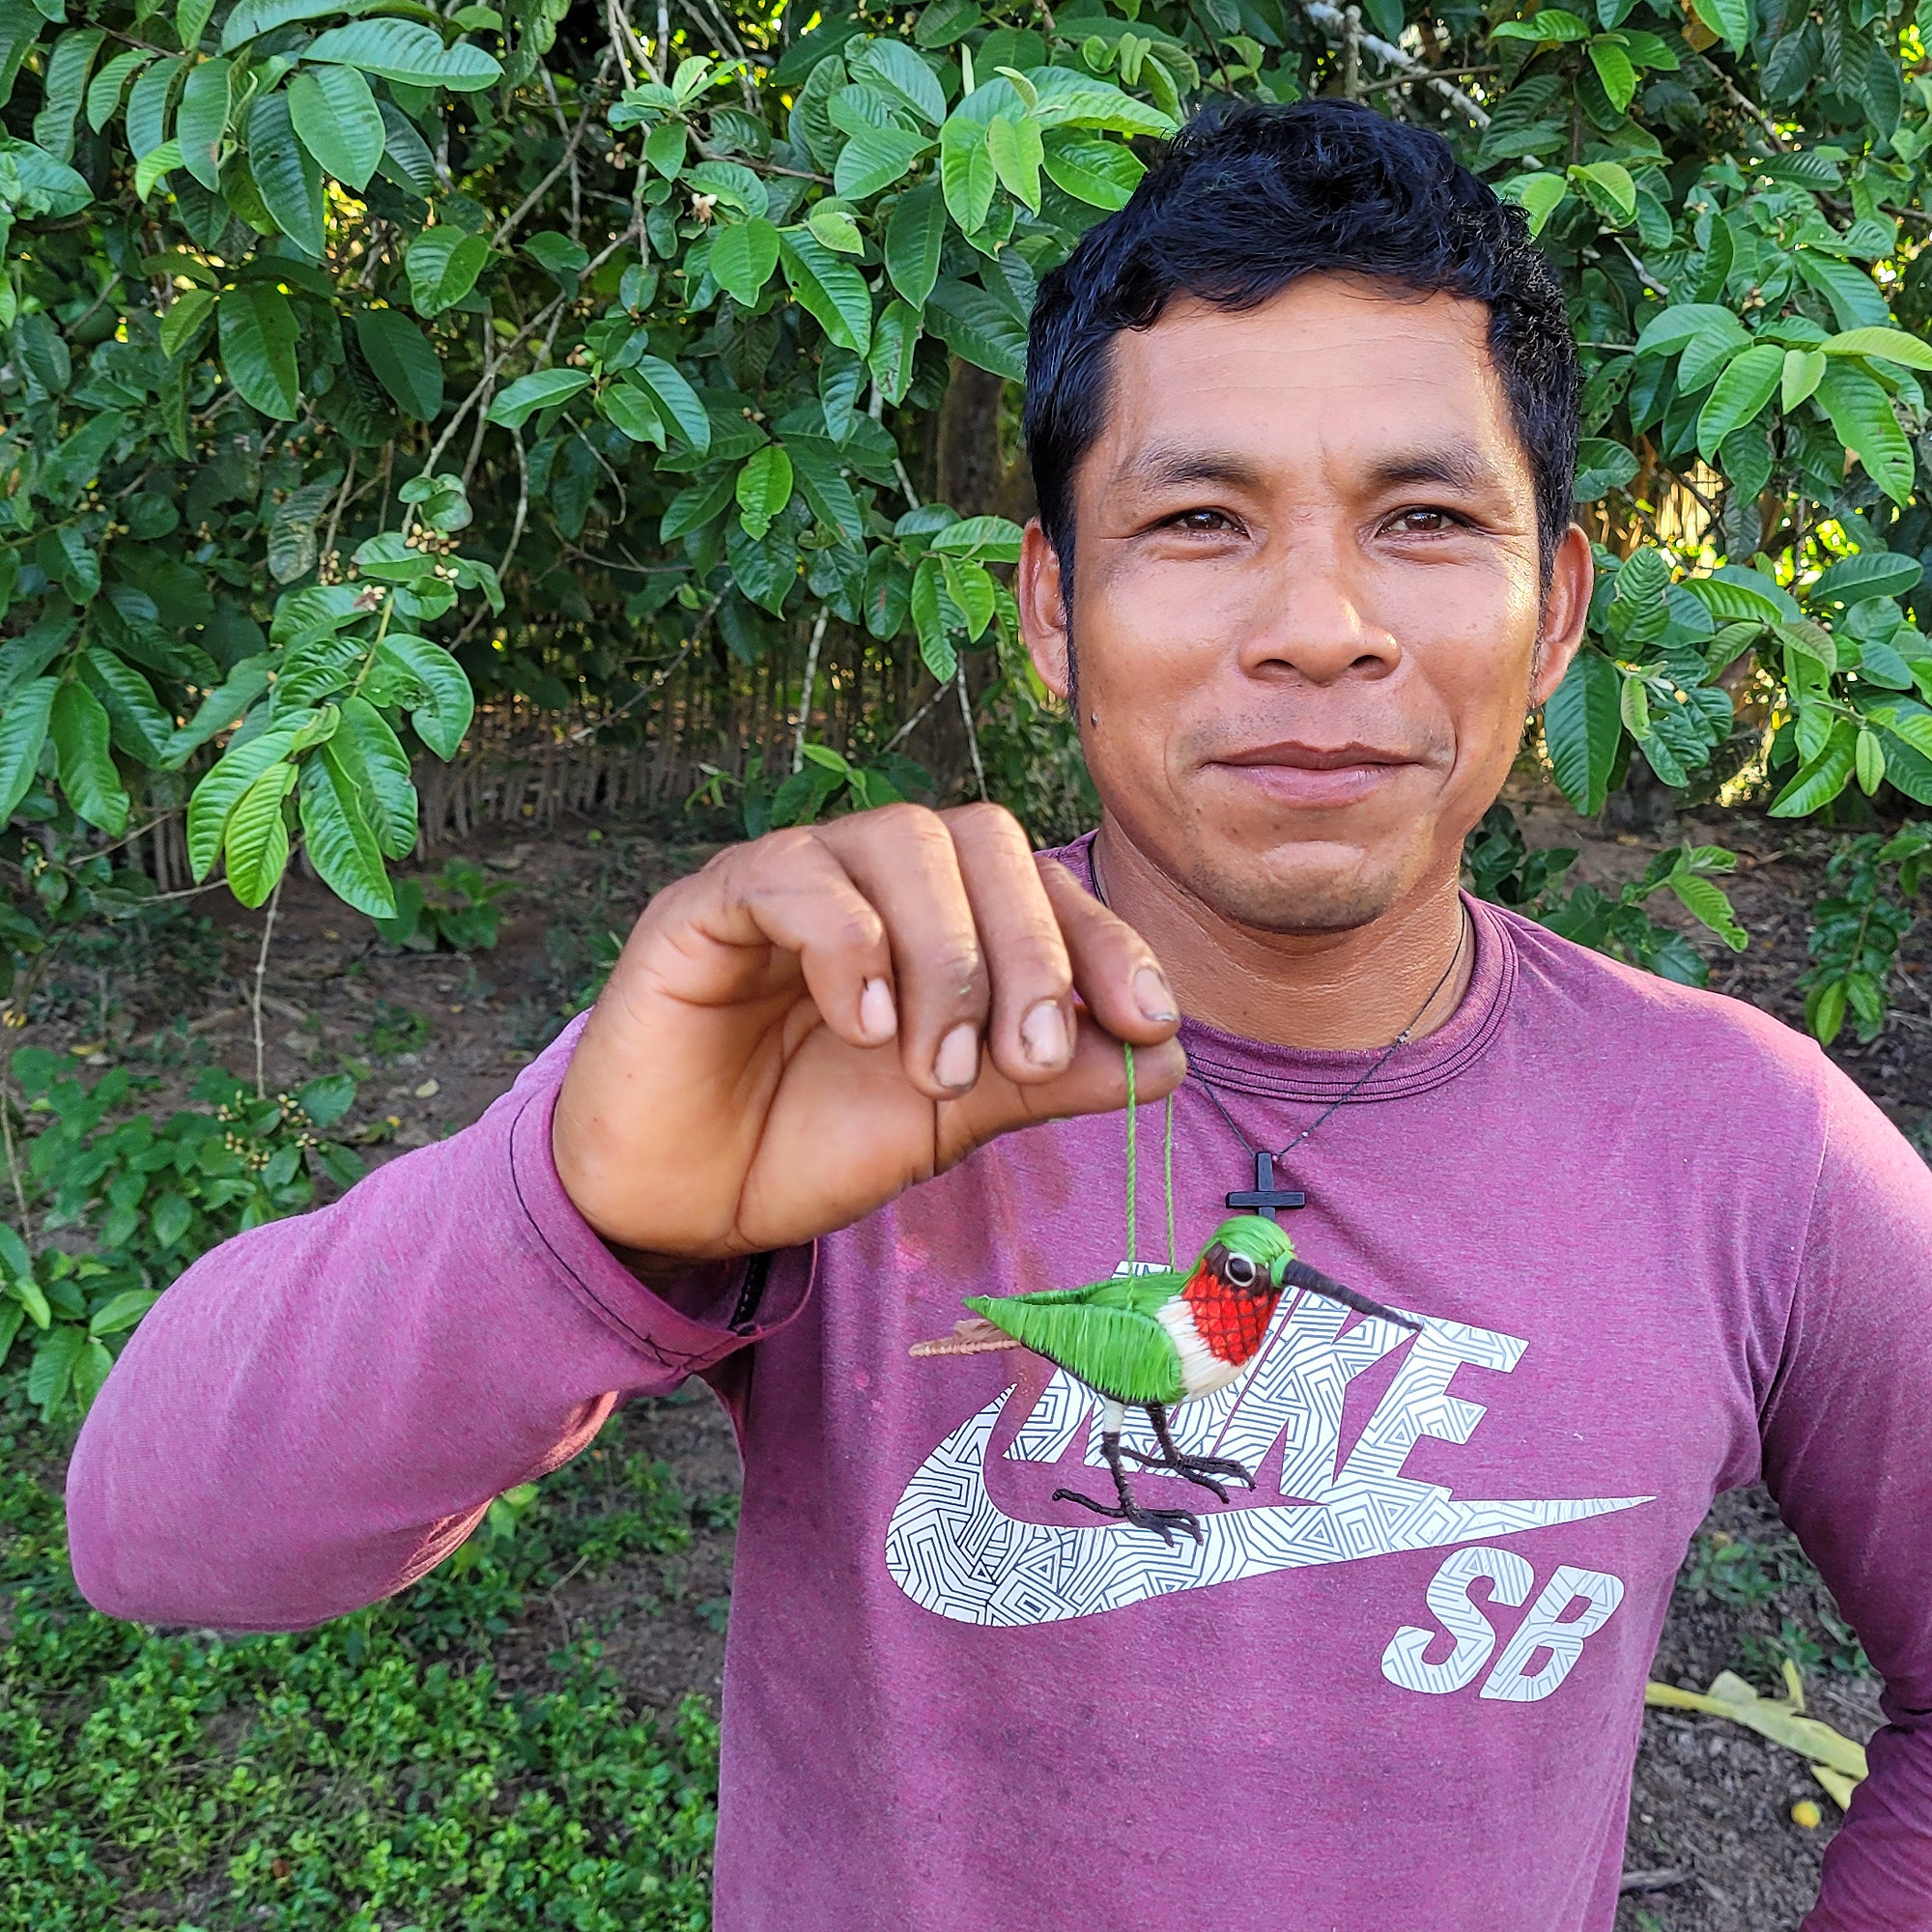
[820,1018]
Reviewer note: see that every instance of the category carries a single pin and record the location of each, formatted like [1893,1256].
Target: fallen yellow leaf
[1838,1763]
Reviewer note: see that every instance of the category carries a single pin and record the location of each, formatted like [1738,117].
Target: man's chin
[1298,890]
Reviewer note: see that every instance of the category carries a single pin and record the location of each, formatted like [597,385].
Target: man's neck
[1356,988]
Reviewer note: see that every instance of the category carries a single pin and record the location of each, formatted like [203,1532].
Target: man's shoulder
[1647,1028]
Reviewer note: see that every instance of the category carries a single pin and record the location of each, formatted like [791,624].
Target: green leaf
[154,165]
[1803,370]
[914,235]
[1890,345]
[833,291]
[403,360]
[192,21]
[1869,573]
[664,149]
[1103,174]
[257,840]
[341,841]
[875,161]
[1748,382]
[80,732]
[763,488]
[105,90]
[292,538]
[1853,295]
[287,180]
[1710,905]
[447,704]
[894,341]
[405,156]
[402,50]
[1820,781]
[979,326]
[834,225]
[1549,26]
[681,401]
[1602,466]
[1538,194]
[140,726]
[990,539]
[695,506]
[222,708]
[253,18]
[633,411]
[338,120]
[900,72]
[1633,707]
[966,173]
[1671,329]
[444,263]
[540,391]
[1071,99]
[184,318]
[52,1370]
[62,88]
[816,471]
[929,617]
[1811,642]
[743,257]
[122,1311]
[1582,727]
[1863,419]
[1728,19]
[1614,70]
[215,797]
[202,120]
[1017,153]
[1869,763]
[23,731]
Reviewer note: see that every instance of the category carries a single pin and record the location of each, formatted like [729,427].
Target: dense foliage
[379,1771]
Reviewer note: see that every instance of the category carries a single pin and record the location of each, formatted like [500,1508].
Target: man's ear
[1566,608]
[1037,589]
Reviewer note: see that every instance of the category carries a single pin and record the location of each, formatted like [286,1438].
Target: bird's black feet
[1200,1470]
[1163,1523]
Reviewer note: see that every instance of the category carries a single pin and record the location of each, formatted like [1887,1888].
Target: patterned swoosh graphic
[953,1552]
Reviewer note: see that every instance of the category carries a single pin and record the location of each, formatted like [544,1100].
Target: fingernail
[876,1018]
[1043,1034]
[1153,996]
[957,1062]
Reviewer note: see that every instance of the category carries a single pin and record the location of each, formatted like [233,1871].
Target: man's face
[1306,600]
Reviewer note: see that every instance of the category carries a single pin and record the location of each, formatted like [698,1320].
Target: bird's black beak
[1300,1275]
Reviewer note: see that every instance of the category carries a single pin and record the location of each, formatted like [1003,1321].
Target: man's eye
[1423,523]
[1208,521]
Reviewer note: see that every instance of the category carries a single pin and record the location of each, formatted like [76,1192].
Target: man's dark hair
[1241,203]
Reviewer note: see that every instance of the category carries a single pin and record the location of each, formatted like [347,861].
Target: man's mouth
[1309,776]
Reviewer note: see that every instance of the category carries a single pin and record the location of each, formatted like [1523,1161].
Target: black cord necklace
[1265,1198]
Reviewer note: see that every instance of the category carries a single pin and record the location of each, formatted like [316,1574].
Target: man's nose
[1314,618]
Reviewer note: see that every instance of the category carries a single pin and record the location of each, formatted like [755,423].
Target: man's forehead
[1214,396]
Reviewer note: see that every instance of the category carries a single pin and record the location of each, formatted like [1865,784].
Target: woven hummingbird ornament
[1158,1338]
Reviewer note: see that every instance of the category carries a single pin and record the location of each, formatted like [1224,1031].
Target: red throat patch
[1229,1321]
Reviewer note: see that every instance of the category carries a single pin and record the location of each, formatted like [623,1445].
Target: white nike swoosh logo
[954,1552]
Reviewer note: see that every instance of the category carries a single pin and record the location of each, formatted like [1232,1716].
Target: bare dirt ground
[434,1037]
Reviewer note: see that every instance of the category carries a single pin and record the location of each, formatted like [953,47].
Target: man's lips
[1308,775]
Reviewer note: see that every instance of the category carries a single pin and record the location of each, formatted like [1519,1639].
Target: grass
[369,1775]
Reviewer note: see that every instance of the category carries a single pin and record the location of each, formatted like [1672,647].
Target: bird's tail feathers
[973,1336]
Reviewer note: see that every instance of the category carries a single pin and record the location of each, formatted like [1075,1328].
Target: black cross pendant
[1265,1196]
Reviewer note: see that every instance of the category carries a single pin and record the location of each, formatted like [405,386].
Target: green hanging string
[1134,1165]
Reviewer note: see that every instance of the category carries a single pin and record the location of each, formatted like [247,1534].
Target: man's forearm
[317,1412]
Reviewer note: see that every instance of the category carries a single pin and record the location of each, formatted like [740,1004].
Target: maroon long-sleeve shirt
[1660,1247]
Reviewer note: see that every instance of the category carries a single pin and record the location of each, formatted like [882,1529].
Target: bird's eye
[1241,1270]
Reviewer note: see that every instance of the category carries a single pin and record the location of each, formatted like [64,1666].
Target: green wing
[1118,1352]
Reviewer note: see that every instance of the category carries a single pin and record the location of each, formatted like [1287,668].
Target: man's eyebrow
[1163,466]
[1457,466]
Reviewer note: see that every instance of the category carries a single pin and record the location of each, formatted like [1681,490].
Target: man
[1302,422]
